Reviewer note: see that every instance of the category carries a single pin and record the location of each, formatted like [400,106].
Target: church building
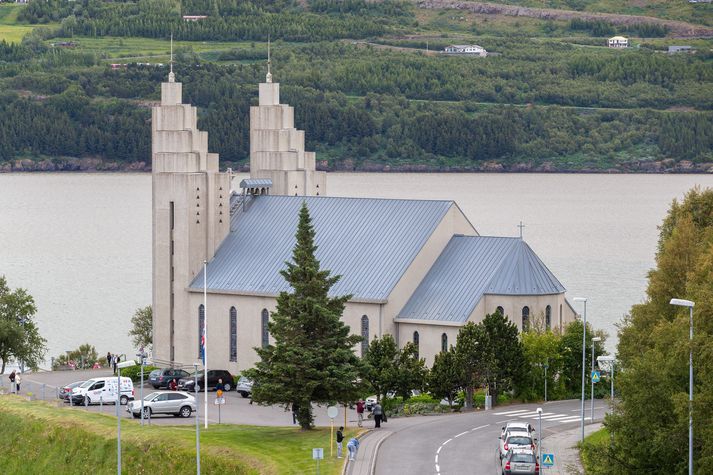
[416,269]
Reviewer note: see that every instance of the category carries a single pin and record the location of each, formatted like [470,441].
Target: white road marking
[554,416]
[439,450]
[438,467]
[436,459]
[462,433]
[543,415]
[444,443]
[510,412]
[570,419]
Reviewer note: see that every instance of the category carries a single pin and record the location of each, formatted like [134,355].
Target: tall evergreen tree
[312,359]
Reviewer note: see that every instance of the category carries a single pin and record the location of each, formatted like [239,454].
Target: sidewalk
[366,455]
[564,447]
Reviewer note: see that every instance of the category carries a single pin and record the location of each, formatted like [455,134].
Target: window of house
[548,317]
[364,335]
[444,342]
[265,331]
[233,334]
[500,310]
[525,318]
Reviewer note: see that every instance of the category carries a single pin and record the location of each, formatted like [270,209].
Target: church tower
[191,217]
[277,148]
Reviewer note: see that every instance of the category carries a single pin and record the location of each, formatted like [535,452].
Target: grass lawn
[10,30]
[593,452]
[58,440]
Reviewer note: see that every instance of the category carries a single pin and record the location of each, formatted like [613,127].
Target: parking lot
[236,410]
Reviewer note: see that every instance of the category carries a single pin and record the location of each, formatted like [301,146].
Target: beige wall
[429,338]
[513,306]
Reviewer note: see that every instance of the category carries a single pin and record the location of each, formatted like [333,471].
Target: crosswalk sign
[596,376]
[548,460]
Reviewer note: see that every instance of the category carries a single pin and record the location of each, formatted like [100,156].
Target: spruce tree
[312,359]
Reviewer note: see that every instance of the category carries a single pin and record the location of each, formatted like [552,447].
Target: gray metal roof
[472,266]
[256,183]
[369,242]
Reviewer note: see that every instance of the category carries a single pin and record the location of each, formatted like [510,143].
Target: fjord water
[81,243]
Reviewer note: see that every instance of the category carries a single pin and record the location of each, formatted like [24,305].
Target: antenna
[268,77]
[171,76]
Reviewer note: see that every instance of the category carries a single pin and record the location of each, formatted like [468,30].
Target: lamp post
[609,360]
[584,350]
[539,435]
[594,340]
[689,304]
[547,365]
[123,364]
[142,355]
[198,430]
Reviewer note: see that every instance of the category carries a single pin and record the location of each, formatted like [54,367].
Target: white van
[96,390]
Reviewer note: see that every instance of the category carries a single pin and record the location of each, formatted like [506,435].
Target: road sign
[219,401]
[596,376]
[332,411]
[548,460]
[318,454]
[219,393]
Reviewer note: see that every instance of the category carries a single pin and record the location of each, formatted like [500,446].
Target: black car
[187,383]
[161,378]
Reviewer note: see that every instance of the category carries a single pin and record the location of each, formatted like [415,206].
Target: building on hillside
[470,50]
[618,42]
[416,269]
[680,49]
[194,17]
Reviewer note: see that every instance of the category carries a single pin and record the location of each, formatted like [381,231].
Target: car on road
[65,391]
[515,440]
[176,403]
[188,383]
[520,462]
[514,426]
[162,377]
[103,390]
[244,386]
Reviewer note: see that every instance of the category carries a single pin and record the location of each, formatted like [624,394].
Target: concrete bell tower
[191,217]
[277,148]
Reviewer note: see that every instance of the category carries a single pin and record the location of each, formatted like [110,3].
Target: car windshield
[523,458]
[150,396]
[86,384]
[517,440]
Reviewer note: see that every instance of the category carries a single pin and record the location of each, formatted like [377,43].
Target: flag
[203,345]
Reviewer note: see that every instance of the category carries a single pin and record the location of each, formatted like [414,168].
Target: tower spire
[171,76]
[268,76]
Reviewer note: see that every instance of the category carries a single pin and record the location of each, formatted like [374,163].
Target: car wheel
[227,387]
[156,387]
[147,413]
[135,415]
[185,411]
[244,394]
[124,400]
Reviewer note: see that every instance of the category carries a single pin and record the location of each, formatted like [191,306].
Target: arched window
[560,317]
[265,331]
[415,342]
[201,323]
[500,310]
[525,318]
[444,342]
[548,317]
[364,335]
[233,334]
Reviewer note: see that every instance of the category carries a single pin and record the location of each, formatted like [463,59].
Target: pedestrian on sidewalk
[360,412]
[108,359]
[12,381]
[352,447]
[340,440]
[18,380]
[378,414]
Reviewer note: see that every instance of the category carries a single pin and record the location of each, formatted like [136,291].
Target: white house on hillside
[474,50]
[618,42]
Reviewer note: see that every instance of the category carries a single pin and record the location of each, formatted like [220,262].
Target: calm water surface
[81,243]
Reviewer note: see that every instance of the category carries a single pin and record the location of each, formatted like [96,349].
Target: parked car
[520,462]
[514,426]
[187,384]
[65,391]
[103,390]
[160,378]
[244,386]
[515,440]
[177,403]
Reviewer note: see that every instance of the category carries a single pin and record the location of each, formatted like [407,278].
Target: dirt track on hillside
[677,28]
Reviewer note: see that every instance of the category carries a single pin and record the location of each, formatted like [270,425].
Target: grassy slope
[594,445]
[60,440]
[10,30]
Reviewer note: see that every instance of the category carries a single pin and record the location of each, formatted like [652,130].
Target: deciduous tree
[20,339]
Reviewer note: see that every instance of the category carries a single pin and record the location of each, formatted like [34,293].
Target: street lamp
[198,430]
[123,364]
[142,355]
[547,365]
[594,340]
[539,434]
[609,360]
[584,349]
[689,304]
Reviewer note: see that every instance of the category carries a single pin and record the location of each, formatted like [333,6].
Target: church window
[500,310]
[548,317]
[364,335]
[560,317]
[444,342]
[415,342]
[525,318]
[265,331]
[201,324]
[233,334]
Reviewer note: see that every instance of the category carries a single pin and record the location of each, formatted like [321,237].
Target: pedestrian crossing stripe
[548,460]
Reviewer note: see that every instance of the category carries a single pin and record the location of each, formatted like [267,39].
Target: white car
[103,390]
[515,440]
[514,426]
[177,403]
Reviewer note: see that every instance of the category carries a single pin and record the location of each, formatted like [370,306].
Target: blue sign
[548,460]
[596,376]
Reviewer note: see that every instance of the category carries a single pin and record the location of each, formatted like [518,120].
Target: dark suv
[161,378]
[187,383]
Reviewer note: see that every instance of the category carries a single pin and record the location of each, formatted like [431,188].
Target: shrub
[134,372]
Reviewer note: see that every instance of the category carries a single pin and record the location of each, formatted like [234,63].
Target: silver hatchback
[520,462]
[177,403]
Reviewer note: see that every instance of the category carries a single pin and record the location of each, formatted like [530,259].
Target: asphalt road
[468,443]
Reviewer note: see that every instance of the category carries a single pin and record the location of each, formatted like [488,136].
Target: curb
[376,452]
[360,436]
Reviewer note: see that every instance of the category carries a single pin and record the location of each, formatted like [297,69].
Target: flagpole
[205,342]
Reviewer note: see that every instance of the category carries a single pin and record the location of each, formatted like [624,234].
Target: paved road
[468,443]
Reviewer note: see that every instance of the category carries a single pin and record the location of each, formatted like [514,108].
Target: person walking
[12,381]
[340,440]
[295,410]
[220,386]
[108,359]
[352,447]
[378,414]
[18,380]
[360,411]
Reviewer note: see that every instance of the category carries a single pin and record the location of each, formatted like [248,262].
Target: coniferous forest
[365,82]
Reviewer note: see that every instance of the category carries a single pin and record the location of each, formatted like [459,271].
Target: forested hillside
[365,82]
